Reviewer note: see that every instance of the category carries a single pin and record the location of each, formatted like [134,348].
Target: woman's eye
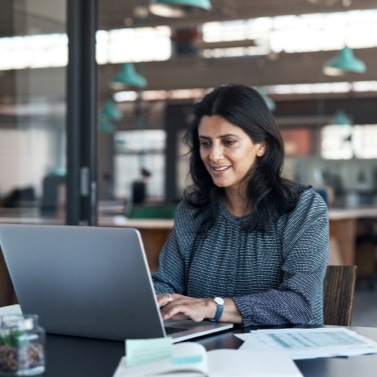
[204,144]
[229,143]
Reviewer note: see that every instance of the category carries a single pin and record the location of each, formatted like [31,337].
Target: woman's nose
[216,153]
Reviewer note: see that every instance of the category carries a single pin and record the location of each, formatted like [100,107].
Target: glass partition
[32,109]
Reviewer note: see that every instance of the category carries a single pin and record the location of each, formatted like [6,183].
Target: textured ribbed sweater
[274,278]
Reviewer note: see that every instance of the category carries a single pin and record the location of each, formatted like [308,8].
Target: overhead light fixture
[341,119]
[344,62]
[111,111]
[178,8]
[105,125]
[269,102]
[128,77]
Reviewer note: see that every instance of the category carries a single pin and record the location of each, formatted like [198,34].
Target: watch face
[219,300]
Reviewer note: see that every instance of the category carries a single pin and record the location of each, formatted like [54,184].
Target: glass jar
[22,345]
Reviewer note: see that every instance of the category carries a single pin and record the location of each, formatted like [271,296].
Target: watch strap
[219,312]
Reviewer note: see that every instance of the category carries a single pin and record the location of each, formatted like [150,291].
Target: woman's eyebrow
[220,136]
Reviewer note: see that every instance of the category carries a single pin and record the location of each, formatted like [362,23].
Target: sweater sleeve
[305,247]
[169,276]
[174,259]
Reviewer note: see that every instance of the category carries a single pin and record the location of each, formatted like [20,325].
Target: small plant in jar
[21,346]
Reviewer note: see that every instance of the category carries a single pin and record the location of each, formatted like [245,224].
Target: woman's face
[227,151]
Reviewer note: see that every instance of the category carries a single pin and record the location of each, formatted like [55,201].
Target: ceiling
[115,14]
[22,17]
[27,16]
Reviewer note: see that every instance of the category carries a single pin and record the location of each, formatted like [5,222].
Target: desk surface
[84,357]
[32,216]
[77,357]
[352,213]
[154,224]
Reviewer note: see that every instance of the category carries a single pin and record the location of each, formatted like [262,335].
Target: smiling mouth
[220,168]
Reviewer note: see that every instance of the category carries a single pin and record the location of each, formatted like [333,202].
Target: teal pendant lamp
[344,62]
[105,125]
[269,102]
[178,8]
[341,119]
[110,110]
[129,77]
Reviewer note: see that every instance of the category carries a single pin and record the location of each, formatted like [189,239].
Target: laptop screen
[83,281]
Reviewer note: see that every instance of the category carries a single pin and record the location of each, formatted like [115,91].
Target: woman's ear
[261,148]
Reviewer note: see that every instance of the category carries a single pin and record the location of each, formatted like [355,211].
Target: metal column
[82,198]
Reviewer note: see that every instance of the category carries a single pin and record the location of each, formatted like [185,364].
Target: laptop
[90,282]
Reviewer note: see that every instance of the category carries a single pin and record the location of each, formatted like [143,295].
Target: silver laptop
[90,282]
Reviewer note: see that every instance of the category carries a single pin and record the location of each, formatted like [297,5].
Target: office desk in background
[345,228]
[78,357]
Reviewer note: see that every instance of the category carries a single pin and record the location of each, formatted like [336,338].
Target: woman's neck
[236,203]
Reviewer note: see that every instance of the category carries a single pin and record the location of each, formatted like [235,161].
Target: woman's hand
[177,307]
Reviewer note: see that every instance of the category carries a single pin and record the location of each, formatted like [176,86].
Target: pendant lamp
[128,77]
[341,119]
[178,8]
[105,125]
[110,110]
[269,102]
[344,62]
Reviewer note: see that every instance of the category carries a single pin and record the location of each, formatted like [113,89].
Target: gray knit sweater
[274,278]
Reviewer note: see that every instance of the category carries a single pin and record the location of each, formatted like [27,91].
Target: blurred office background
[279,47]
[328,116]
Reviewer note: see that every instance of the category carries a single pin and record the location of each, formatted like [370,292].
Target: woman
[248,246]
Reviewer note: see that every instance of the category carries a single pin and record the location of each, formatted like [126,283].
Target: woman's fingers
[183,307]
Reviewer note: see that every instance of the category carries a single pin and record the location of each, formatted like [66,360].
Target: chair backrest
[338,295]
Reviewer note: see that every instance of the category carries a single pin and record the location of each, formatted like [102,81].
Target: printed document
[309,343]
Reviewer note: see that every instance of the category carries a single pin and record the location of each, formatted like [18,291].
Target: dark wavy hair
[270,194]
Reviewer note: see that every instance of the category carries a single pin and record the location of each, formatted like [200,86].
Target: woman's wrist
[231,312]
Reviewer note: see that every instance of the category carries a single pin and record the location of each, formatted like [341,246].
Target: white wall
[26,155]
